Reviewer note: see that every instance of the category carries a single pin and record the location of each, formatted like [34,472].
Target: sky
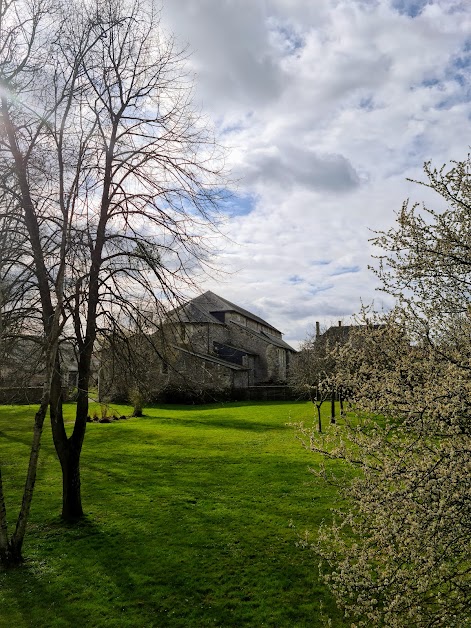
[326,108]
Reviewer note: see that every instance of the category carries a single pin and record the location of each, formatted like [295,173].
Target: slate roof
[339,334]
[275,340]
[191,313]
[342,331]
[199,309]
[212,358]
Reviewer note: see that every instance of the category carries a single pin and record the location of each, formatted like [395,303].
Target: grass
[189,514]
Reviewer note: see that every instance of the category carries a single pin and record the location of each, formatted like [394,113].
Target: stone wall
[13,394]
[269,361]
[25,395]
[264,393]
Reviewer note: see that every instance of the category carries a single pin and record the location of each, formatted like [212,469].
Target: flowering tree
[311,374]
[399,555]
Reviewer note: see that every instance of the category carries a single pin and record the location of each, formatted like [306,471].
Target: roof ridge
[241,310]
[273,339]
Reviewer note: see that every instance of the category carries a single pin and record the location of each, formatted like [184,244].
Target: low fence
[251,393]
[16,394]
[264,393]
[25,394]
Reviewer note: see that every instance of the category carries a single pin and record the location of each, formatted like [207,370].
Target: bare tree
[118,176]
[21,334]
[21,358]
[407,562]
[17,34]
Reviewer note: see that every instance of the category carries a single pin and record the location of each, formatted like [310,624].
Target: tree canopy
[114,175]
[399,553]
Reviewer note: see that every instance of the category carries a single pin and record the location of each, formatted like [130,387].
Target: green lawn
[189,523]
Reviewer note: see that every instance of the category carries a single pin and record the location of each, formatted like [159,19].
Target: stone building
[207,348]
[213,344]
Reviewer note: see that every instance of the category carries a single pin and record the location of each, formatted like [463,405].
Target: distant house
[336,334]
[339,334]
[22,370]
[214,342]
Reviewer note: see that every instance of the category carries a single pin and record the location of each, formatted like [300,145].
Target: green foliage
[192,517]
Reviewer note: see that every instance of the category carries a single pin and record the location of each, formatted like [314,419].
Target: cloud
[234,54]
[326,108]
[290,166]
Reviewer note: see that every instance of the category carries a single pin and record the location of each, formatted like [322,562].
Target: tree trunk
[11,556]
[69,451]
[10,549]
[332,406]
[319,422]
[71,493]
[3,525]
[68,448]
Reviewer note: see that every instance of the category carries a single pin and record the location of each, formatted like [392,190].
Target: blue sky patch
[430,82]
[345,270]
[313,290]
[319,262]
[367,103]
[412,8]
[238,204]
[294,40]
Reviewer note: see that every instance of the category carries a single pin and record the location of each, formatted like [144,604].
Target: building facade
[211,343]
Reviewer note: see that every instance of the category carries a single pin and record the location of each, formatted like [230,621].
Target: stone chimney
[318,329]
[340,323]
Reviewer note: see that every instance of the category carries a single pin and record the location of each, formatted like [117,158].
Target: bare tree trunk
[332,406]
[10,549]
[69,448]
[72,500]
[3,525]
[71,494]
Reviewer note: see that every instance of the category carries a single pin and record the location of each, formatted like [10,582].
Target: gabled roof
[340,334]
[274,340]
[191,313]
[211,358]
[203,309]
[219,304]
[199,309]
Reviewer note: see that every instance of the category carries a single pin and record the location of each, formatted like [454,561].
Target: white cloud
[327,107]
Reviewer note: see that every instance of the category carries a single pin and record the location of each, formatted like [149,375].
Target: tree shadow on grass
[43,589]
[15,438]
[155,575]
[219,406]
[203,421]
[228,423]
[32,595]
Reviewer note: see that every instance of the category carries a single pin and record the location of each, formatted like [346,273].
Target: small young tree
[400,553]
[313,374]
[20,330]
[312,371]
